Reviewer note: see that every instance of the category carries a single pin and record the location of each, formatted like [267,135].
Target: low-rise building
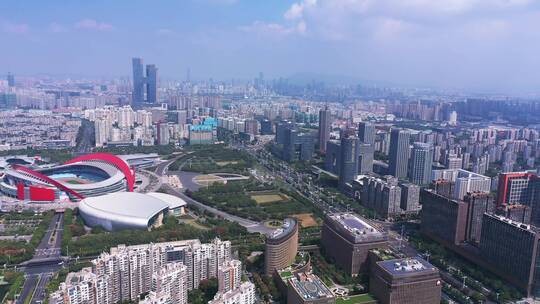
[307,288]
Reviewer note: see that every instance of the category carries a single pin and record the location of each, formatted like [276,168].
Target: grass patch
[234,198]
[214,159]
[285,275]
[363,298]
[206,180]
[269,198]
[73,182]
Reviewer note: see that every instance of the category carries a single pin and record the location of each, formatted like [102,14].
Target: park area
[214,159]
[253,200]
[270,197]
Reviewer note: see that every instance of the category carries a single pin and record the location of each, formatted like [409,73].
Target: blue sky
[476,44]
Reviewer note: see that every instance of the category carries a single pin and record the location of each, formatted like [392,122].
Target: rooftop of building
[407,266]
[462,173]
[519,225]
[173,201]
[355,225]
[74,278]
[384,254]
[200,128]
[288,226]
[310,287]
[132,204]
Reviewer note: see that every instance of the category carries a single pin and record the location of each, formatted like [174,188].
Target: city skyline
[476,45]
[255,151]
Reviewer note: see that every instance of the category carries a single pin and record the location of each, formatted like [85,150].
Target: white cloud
[57,28]
[339,20]
[296,11]
[260,27]
[15,28]
[91,24]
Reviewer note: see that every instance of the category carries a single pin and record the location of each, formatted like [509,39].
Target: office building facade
[151,83]
[325,124]
[399,152]
[405,281]
[291,144]
[443,218]
[478,203]
[382,194]
[366,133]
[144,83]
[512,248]
[281,247]
[410,198]
[138,81]
[348,160]
[420,163]
[347,239]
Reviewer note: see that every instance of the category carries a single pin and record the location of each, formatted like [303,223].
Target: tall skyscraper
[512,250]
[138,81]
[420,164]
[366,133]
[348,160]
[399,152]
[365,158]
[11,80]
[151,83]
[324,128]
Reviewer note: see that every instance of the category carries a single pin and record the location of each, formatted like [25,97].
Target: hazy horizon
[487,45]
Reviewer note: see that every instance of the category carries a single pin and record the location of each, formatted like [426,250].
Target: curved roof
[123,207]
[289,227]
[46,179]
[121,164]
[173,201]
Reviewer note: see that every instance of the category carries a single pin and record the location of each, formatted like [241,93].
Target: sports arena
[85,176]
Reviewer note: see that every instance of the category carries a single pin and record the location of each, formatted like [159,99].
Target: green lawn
[363,298]
[285,275]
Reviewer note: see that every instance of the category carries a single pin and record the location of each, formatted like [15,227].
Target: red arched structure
[47,179]
[112,159]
